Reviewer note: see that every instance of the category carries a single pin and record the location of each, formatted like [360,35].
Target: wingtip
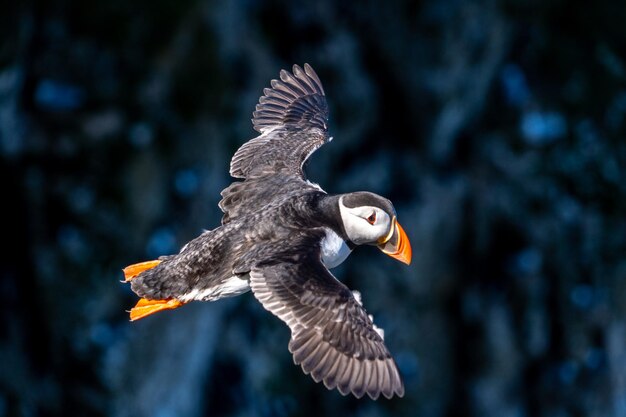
[296,70]
[400,390]
[373,395]
[286,102]
[311,73]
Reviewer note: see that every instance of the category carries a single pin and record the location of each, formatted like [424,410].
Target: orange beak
[396,244]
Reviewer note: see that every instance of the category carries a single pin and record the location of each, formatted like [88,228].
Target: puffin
[279,237]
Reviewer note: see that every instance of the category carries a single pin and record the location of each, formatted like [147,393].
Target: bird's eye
[372,218]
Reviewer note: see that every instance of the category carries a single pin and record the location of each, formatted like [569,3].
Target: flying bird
[280,235]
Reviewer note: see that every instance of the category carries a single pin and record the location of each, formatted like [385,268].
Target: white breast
[334,249]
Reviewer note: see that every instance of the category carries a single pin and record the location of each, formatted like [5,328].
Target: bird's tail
[145,307]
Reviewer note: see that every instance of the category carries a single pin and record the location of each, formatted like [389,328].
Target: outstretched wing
[291,117]
[296,99]
[332,337]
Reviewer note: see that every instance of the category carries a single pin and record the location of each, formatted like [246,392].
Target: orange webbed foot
[145,307]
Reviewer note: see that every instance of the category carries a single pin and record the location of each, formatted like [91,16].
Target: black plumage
[278,233]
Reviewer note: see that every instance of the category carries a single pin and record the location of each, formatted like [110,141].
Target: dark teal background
[496,128]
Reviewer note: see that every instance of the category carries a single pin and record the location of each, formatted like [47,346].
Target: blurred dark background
[496,127]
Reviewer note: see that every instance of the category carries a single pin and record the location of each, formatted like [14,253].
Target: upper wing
[332,337]
[241,198]
[291,118]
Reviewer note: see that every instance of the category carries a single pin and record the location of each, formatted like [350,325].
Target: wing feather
[291,117]
[294,108]
[332,337]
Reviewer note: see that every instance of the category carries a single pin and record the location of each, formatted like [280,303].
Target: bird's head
[369,219]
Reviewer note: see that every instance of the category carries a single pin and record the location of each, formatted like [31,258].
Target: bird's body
[279,237]
[209,267]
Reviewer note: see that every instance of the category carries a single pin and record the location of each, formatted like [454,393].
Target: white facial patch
[357,226]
